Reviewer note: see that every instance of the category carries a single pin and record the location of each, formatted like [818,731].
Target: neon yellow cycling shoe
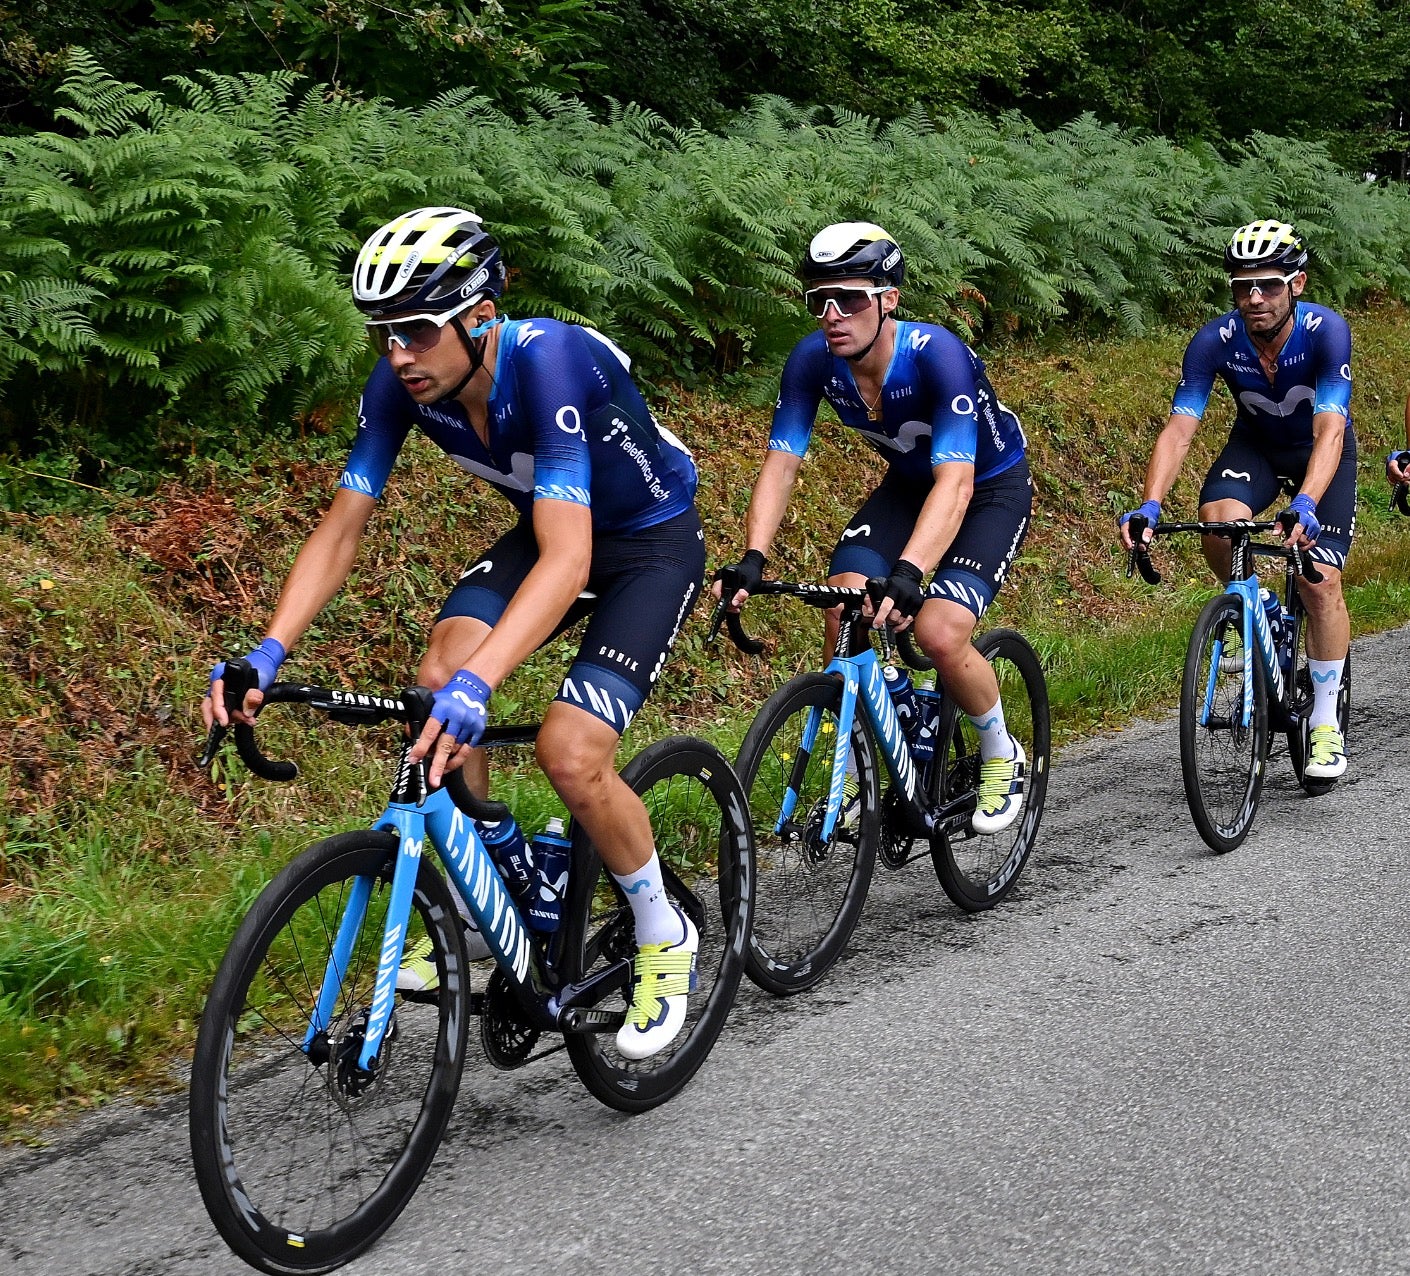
[662,976]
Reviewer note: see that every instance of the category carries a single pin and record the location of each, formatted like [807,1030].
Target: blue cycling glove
[264,660]
[1306,510]
[462,708]
[1149,510]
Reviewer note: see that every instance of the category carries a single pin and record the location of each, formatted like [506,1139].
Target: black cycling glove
[905,588]
[745,574]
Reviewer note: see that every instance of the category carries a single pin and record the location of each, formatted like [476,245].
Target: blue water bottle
[505,842]
[928,704]
[551,856]
[1274,611]
[903,695]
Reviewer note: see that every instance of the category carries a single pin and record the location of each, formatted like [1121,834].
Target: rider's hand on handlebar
[1150,511]
[1308,529]
[904,594]
[265,661]
[459,715]
[1398,466]
[734,584]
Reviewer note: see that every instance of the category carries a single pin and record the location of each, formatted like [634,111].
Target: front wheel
[700,820]
[303,1157]
[978,870]
[1299,725]
[1223,739]
[811,888]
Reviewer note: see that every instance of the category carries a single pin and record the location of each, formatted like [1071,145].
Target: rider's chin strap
[880,323]
[474,342]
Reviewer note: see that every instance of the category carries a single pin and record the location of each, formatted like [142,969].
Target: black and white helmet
[1265,243]
[854,250]
[428,261]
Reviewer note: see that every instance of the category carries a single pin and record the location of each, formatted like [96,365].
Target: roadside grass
[124,870]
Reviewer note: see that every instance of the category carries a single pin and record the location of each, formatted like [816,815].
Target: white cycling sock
[1326,684]
[994,740]
[657,921]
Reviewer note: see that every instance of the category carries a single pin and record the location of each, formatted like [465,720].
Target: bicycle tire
[1300,730]
[303,1163]
[701,824]
[1223,764]
[978,871]
[808,895]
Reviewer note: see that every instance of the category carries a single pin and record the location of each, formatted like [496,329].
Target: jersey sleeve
[1333,365]
[556,373]
[383,421]
[954,421]
[1197,373]
[799,394]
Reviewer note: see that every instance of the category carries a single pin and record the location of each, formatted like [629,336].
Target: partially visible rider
[946,521]
[1287,364]
[548,414]
[1395,471]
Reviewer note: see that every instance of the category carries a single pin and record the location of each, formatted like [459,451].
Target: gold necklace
[873,409]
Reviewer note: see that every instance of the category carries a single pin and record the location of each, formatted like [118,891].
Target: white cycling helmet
[427,261]
[1265,243]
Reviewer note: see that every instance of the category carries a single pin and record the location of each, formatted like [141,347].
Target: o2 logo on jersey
[570,421]
[962,405]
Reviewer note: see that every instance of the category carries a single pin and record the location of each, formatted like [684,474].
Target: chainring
[507,1037]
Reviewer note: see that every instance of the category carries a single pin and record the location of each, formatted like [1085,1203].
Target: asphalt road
[1152,1059]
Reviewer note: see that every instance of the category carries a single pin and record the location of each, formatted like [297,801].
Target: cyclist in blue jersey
[946,521]
[1395,472]
[548,414]
[1287,364]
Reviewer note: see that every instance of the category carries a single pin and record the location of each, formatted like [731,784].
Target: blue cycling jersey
[1313,375]
[566,423]
[936,405]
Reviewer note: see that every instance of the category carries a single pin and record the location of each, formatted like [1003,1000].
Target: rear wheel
[810,889]
[1223,743]
[701,823]
[978,870]
[303,1157]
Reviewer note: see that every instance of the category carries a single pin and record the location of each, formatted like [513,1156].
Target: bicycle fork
[1257,644]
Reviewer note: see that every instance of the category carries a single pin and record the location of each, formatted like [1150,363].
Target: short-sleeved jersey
[1314,375]
[936,405]
[566,423]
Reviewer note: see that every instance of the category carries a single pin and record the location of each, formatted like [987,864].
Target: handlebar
[848,597]
[1140,559]
[356,708]
[1400,493]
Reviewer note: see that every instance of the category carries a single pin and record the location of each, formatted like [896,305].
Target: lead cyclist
[548,414]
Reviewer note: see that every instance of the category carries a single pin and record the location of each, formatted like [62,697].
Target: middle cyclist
[956,498]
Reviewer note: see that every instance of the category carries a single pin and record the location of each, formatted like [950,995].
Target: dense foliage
[174,264]
[1333,71]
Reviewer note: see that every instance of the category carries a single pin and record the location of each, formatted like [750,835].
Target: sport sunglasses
[1264,285]
[418,334]
[846,301]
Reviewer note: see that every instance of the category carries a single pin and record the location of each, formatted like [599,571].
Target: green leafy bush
[175,268]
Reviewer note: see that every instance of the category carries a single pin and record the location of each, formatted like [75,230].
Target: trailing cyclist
[548,414]
[946,521]
[1398,472]
[1287,364]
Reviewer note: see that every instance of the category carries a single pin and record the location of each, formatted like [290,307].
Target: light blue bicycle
[1240,686]
[818,737]
[319,1093]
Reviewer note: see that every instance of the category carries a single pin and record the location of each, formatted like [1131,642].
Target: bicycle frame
[417,815]
[863,683]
